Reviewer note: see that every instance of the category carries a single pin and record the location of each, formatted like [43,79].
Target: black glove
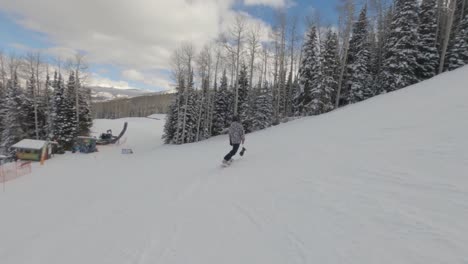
[242,151]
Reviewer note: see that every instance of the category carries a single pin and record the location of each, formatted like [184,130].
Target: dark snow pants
[235,148]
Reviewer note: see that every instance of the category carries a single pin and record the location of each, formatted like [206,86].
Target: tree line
[36,103]
[139,106]
[385,46]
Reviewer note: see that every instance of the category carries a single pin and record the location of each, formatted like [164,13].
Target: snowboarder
[236,137]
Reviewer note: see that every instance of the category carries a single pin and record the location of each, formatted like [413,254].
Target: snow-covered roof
[29,144]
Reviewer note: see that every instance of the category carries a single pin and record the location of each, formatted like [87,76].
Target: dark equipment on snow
[107,138]
[242,151]
[85,145]
[107,135]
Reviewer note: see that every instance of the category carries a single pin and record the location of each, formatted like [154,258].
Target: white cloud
[133,75]
[137,35]
[271,3]
[97,80]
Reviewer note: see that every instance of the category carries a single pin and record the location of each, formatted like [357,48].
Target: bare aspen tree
[218,60]
[253,40]
[79,66]
[188,51]
[292,42]
[3,74]
[446,32]
[218,55]
[346,21]
[237,34]
[178,74]
[378,7]
[265,64]
[34,61]
[280,60]
[292,45]
[204,67]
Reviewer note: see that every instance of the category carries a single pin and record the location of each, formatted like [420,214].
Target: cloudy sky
[129,43]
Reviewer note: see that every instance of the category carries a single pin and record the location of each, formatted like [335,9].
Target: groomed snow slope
[383,181]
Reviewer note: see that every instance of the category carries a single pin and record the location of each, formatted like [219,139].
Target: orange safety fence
[13,170]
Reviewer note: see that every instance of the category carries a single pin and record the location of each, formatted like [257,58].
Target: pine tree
[297,99]
[330,69]
[309,76]
[188,114]
[192,116]
[14,114]
[244,99]
[2,110]
[379,50]
[263,109]
[400,62]
[289,101]
[47,103]
[458,55]
[84,111]
[172,126]
[359,79]
[70,125]
[28,107]
[221,107]
[455,47]
[61,109]
[428,55]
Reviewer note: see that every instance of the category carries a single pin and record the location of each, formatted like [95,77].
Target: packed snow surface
[383,181]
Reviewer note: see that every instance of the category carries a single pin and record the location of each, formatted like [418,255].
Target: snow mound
[382,181]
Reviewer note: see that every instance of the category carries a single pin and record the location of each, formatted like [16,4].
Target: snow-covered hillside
[383,181]
[100,94]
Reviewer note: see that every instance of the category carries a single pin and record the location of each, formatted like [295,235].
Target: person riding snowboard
[236,137]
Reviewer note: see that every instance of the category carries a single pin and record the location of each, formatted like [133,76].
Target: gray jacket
[236,133]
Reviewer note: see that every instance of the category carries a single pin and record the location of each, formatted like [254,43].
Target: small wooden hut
[31,149]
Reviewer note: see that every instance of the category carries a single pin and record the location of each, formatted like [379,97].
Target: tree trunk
[447,32]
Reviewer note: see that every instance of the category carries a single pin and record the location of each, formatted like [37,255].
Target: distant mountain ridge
[102,94]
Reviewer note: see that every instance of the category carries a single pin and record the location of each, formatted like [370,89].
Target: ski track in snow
[369,183]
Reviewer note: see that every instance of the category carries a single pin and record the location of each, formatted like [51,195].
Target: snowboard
[227,164]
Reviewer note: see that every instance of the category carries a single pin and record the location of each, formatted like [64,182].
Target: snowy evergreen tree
[14,114]
[188,114]
[193,108]
[172,124]
[204,108]
[70,125]
[222,106]
[245,109]
[2,110]
[454,50]
[263,109]
[61,112]
[47,103]
[28,108]
[428,55]
[289,102]
[458,55]
[400,62]
[330,69]
[297,99]
[84,111]
[379,40]
[359,84]
[309,76]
